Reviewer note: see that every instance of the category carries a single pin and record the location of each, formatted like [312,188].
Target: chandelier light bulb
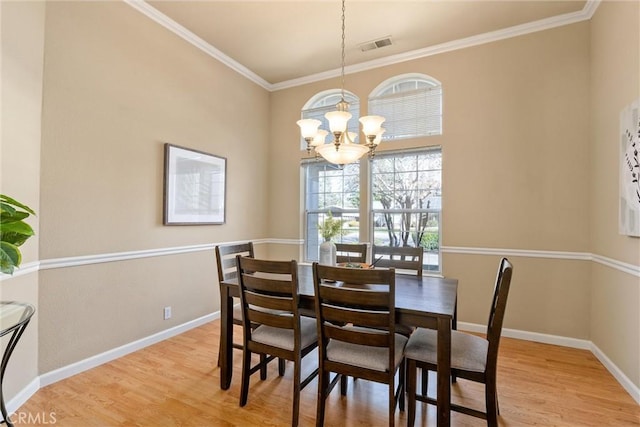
[308,127]
[371,125]
[320,138]
[338,121]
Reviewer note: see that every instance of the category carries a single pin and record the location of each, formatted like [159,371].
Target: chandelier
[343,149]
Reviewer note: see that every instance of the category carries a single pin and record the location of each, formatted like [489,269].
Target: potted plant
[329,228]
[13,232]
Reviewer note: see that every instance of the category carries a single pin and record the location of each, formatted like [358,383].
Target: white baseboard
[24,395]
[530,336]
[109,355]
[625,382]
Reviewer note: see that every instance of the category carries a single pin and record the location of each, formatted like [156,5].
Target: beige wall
[515,113]
[22,38]
[615,83]
[117,86]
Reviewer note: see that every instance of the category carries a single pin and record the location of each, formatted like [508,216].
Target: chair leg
[343,385]
[392,402]
[296,391]
[263,367]
[323,384]
[425,381]
[491,403]
[411,392]
[281,366]
[403,382]
[246,368]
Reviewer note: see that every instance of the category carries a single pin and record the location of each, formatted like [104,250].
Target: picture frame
[629,207]
[194,187]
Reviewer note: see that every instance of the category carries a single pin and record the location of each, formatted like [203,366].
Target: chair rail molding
[33,267]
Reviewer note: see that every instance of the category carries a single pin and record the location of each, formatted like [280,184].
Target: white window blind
[409,113]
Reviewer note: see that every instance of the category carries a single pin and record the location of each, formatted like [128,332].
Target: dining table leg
[444,372]
[226,338]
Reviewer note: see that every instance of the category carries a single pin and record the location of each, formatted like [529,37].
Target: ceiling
[284,43]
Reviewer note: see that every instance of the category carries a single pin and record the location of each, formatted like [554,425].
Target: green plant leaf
[7,217]
[7,208]
[10,257]
[15,233]
[16,203]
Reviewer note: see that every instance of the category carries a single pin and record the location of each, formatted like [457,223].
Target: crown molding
[162,19]
[531,27]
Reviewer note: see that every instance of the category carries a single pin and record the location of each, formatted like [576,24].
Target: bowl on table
[354,265]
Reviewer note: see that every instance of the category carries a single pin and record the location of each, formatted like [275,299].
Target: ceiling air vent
[376,44]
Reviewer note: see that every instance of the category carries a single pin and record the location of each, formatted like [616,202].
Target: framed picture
[194,187]
[629,210]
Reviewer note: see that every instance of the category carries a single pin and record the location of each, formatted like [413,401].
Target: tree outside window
[406,197]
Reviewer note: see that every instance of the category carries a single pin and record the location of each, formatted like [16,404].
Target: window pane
[330,188]
[406,194]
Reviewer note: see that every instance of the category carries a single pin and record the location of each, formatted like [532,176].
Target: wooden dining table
[428,302]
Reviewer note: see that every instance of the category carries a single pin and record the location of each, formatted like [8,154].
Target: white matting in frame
[629,211]
[194,187]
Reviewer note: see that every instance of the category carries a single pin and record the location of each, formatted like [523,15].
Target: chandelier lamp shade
[343,149]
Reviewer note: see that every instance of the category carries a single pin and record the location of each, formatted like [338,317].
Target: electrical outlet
[167,313]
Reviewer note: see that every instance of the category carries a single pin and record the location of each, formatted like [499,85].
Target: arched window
[326,101]
[411,105]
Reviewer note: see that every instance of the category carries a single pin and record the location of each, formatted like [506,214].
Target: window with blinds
[411,105]
[321,104]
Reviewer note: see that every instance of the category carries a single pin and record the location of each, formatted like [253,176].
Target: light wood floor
[176,383]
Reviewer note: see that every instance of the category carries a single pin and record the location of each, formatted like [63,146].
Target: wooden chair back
[497,311]
[363,297]
[399,257]
[351,252]
[226,258]
[268,294]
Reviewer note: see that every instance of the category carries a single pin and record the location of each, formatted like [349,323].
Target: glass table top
[13,314]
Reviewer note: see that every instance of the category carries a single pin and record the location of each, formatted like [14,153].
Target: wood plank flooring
[176,383]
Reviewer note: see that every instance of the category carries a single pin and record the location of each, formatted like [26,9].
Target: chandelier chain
[343,54]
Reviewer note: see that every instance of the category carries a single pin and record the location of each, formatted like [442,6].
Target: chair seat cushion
[283,338]
[468,352]
[376,358]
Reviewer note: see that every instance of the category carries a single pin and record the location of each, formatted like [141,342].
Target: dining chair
[227,269]
[370,351]
[399,257]
[269,299]
[473,357]
[351,252]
